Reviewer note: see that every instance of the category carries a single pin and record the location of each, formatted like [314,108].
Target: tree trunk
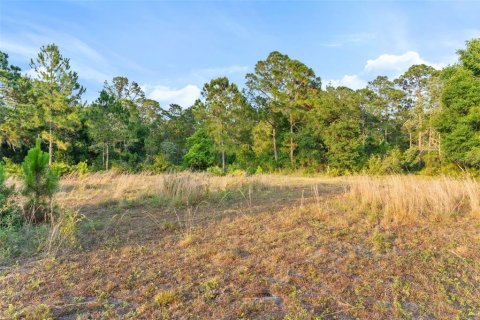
[223,156]
[420,141]
[291,140]
[50,143]
[107,159]
[274,137]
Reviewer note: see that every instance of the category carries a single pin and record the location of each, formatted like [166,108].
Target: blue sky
[173,48]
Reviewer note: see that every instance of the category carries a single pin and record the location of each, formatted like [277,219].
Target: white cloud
[387,64]
[397,63]
[351,81]
[166,95]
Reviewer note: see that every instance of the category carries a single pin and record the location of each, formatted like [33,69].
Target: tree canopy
[426,120]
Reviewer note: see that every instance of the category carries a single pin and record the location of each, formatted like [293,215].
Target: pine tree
[40,184]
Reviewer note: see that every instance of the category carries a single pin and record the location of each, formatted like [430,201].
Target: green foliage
[201,153]
[21,240]
[9,215]
[58,96]
[81,168]
[63,168]
[236,172]
[11,168]
[40,184]
[216,170]
[160,164]
[391,163]
[424,121]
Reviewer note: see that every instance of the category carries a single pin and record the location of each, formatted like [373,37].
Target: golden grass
[98,188]
[305,251]
[401,199]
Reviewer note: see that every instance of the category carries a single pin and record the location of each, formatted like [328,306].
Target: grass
[404,199]
[269,247]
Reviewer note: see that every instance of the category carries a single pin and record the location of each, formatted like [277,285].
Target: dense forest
[284,119]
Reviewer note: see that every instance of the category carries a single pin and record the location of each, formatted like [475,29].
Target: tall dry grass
[402,199]
[98,188]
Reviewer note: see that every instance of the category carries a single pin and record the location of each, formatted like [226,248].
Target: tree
[302,88]
[265,87]
[58,94]
[169,134]
[221,110]
[282,86]
[385,103]
[459,119]
[40,184]
[415,82]
[17,117]
[108,124]
[336,119]
[201,153]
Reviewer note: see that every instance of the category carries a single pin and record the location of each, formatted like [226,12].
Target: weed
[164,298]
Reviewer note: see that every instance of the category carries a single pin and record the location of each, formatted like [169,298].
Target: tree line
[426,120]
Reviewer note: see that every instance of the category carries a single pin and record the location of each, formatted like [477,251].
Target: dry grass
[405,199]
[98,188]
[285,248]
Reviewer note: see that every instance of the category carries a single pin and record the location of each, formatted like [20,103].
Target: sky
[171,48]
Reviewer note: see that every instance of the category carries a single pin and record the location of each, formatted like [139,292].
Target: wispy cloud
[26,41]
[21,49]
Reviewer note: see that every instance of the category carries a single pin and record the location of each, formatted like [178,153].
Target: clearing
[195,246]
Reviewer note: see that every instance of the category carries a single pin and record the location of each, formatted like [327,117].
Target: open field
[195,246]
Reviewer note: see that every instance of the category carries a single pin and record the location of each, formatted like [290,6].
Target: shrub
[374,165]
[164,298]
[160,164]
[11,168]
[64,233]
[237,172]
[8,213]
[390,164]
[40,184]
[61,168]
[81,168]
[216,170]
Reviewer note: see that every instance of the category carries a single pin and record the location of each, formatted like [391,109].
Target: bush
[390,164]
[9,216]
[81,168]
[160,164]
[374,165]
[40,184]
[237,172]
[216,170]
[61,168]
[11,168]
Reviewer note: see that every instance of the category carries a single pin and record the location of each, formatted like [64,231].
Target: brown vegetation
[260,247]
